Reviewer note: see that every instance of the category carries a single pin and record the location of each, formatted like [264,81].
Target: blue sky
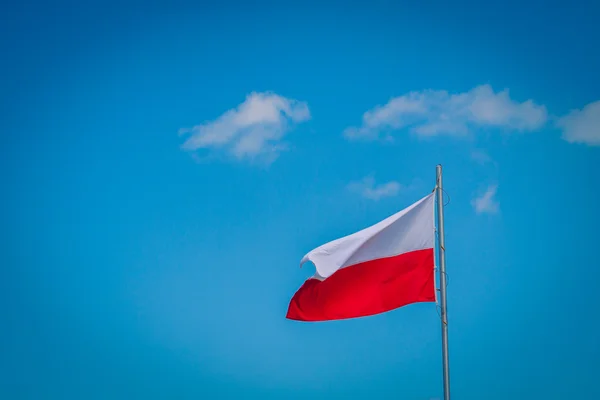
[165,167]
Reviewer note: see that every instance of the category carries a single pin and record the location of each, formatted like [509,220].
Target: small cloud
[582,126]
[368,189]
[436,112]
[481,157]
[252,130]
[486,202]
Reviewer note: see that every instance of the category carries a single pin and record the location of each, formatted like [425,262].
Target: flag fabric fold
[378,269]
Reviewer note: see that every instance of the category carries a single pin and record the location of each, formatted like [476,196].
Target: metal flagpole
[442,261]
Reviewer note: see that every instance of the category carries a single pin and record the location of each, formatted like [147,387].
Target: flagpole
[442,261]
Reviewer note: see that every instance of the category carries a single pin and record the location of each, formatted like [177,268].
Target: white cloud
[252,130]
[486,202]
[437,112]
[368,189]
[582,126]
[481,157]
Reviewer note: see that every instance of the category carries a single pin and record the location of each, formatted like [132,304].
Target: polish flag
[380,268]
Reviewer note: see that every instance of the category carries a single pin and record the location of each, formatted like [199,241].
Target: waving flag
[380,268]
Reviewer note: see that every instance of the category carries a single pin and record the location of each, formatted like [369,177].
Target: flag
[378,269]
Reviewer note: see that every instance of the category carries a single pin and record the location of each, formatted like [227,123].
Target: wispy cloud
[437,112]
[582,126]
[252,130]
[481,157]
[370,190]
[486,202]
